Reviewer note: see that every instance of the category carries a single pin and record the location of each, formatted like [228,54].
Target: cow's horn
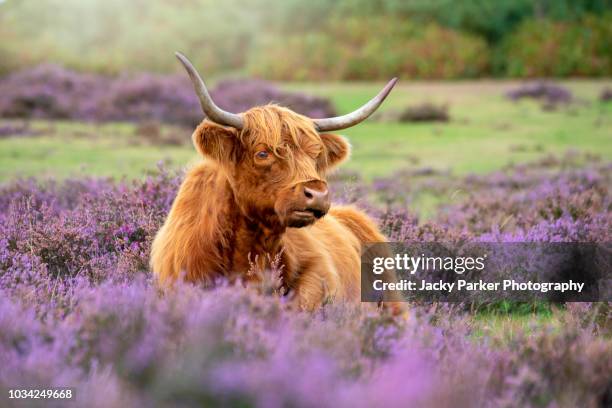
[359,115]
[212,111]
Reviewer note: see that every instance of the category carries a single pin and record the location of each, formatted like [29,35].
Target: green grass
[507,327]
[66,149]
[486,132]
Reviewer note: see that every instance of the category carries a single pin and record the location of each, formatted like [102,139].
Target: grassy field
[486,132]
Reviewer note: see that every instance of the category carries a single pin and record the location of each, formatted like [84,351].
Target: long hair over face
[281,130]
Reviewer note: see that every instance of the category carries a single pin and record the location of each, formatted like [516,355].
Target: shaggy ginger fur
[236,204]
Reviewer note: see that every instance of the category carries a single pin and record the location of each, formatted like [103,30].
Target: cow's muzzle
[312,202]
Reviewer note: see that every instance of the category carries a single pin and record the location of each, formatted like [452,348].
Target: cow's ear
[337,149]
[217,142]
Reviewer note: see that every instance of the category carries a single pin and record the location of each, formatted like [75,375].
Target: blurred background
[314,40]
[93,87]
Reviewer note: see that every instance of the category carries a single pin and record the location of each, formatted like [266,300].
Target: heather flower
[78,306]
[550,94]
[52,92]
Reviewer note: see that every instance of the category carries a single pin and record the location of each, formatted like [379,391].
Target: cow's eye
[262,155]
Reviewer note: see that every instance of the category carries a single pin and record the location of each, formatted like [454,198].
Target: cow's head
[275,159]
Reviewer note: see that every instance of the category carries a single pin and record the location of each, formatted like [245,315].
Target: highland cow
[261,189]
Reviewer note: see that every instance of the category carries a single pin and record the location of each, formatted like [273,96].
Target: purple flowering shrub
[425,112]
[78,307]
[552,200]
[549,94]
[52,92]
